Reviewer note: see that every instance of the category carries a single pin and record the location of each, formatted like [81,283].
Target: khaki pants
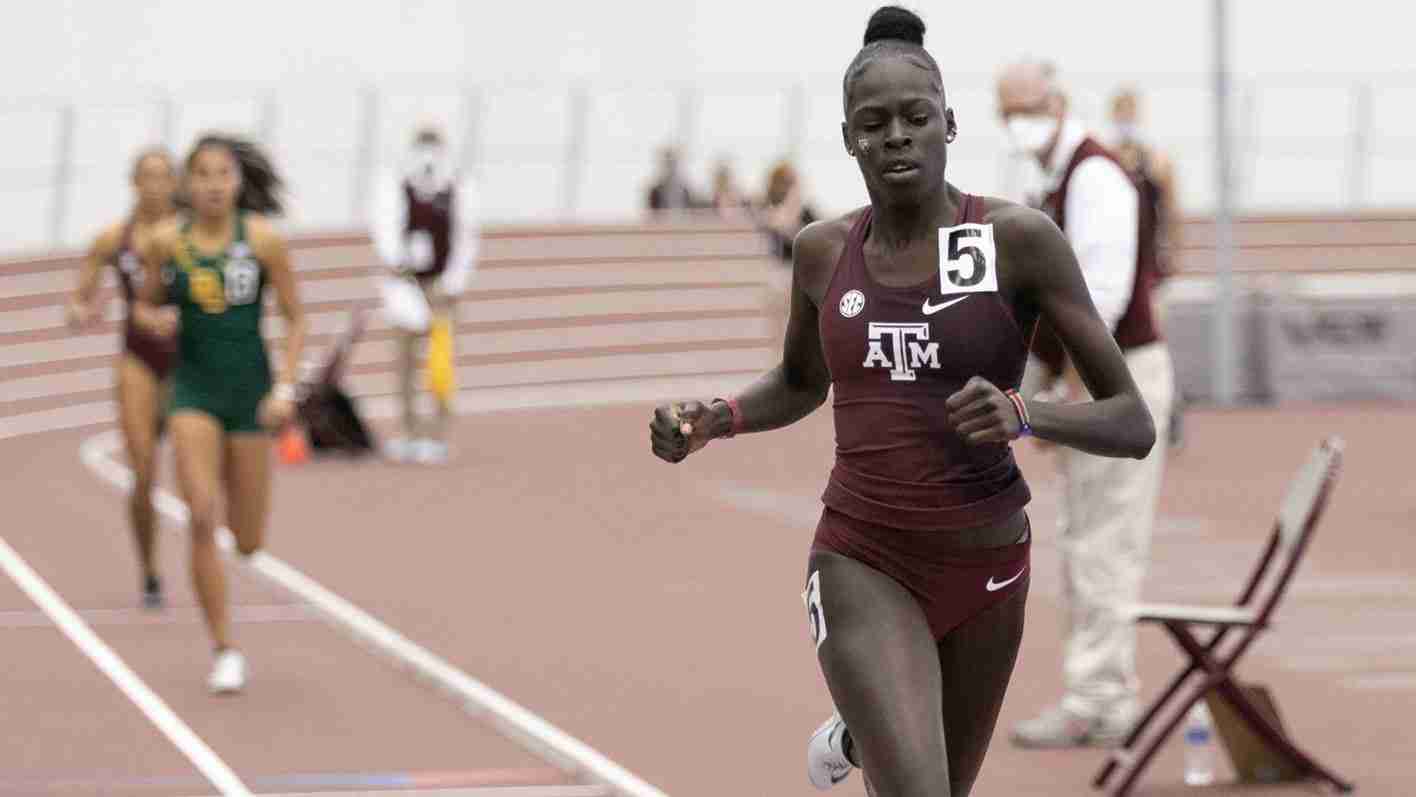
[1108,513]
[410,354]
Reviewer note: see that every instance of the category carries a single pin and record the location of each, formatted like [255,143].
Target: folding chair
[1297,519]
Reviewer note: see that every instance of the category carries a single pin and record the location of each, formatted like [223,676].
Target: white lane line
[1381,681]
[1336,663]
[479,791]
[539,736]
[103,657]
[172,616]
[1380,585]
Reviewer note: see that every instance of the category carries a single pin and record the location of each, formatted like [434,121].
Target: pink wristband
[734,414]
[737,415]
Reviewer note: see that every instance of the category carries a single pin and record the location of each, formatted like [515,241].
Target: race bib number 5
[968,259]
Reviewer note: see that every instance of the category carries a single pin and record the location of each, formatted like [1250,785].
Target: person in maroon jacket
[145,361]
[1108,505]
[917,310]
[424,226]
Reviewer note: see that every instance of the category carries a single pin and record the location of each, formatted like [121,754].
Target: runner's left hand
[982,414]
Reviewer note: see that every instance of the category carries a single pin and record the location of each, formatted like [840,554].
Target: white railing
[586,150]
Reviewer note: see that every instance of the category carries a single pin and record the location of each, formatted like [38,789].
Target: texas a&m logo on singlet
[902,348]
[967,254]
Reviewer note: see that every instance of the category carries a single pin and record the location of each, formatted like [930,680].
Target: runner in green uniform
[223,370]
[224,402]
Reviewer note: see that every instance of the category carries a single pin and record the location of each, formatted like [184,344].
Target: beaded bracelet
[1022,409]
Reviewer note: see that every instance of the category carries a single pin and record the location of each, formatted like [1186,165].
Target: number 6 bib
[243,281]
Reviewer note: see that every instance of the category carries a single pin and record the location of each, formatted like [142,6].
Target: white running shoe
[429,452]
[826,762]
[400,449]
[228,674]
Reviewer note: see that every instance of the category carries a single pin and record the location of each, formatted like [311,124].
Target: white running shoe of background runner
[228,674]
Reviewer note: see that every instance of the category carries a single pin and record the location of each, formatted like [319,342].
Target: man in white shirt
[1108,507]
[424,228]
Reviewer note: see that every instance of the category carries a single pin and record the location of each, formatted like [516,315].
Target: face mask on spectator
[1030,134]
[428,168]
[1122,132]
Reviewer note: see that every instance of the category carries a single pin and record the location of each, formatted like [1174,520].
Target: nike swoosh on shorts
[994,586]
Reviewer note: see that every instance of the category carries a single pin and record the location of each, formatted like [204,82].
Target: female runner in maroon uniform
[918,310]
[145,360]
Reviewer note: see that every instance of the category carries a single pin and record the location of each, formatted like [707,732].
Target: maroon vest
[158,353]
[432,216]
[1137,326]
[895,355]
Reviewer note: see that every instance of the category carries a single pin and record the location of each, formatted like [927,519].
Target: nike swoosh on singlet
[994,586]
[931,309]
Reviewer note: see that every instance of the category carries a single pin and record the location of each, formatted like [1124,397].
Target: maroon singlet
[158,354]
[895,355]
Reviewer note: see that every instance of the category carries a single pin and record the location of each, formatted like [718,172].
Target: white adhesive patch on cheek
[862,144]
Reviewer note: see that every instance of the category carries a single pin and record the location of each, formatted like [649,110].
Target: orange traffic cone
[292,447]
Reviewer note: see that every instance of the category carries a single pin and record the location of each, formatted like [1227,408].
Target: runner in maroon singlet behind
[144,362]
[918,311]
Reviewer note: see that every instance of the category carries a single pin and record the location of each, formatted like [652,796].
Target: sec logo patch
[852,303]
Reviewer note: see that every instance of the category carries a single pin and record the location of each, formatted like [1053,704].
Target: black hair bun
[895,23]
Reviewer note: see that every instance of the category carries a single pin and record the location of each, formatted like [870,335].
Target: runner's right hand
[680,429]
[158,321]
[79,314]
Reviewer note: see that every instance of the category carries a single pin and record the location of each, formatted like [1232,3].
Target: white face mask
[1031,134]
[427,167]
[1122,132]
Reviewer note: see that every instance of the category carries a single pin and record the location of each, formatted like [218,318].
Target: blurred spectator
[784,211]
[1151,170]
[1160,211]
[728,200]
[781,216]
[424,225]
[1108,505]
[670,192]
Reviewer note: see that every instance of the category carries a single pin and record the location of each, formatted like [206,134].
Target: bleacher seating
[579,313]
[554,315]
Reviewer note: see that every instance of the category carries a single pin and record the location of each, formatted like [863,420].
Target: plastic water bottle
[1199,747]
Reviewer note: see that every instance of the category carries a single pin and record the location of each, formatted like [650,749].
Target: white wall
[725,76]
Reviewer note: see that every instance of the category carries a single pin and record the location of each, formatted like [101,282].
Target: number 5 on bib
[968,259]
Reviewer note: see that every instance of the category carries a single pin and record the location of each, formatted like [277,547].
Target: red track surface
[652,611]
